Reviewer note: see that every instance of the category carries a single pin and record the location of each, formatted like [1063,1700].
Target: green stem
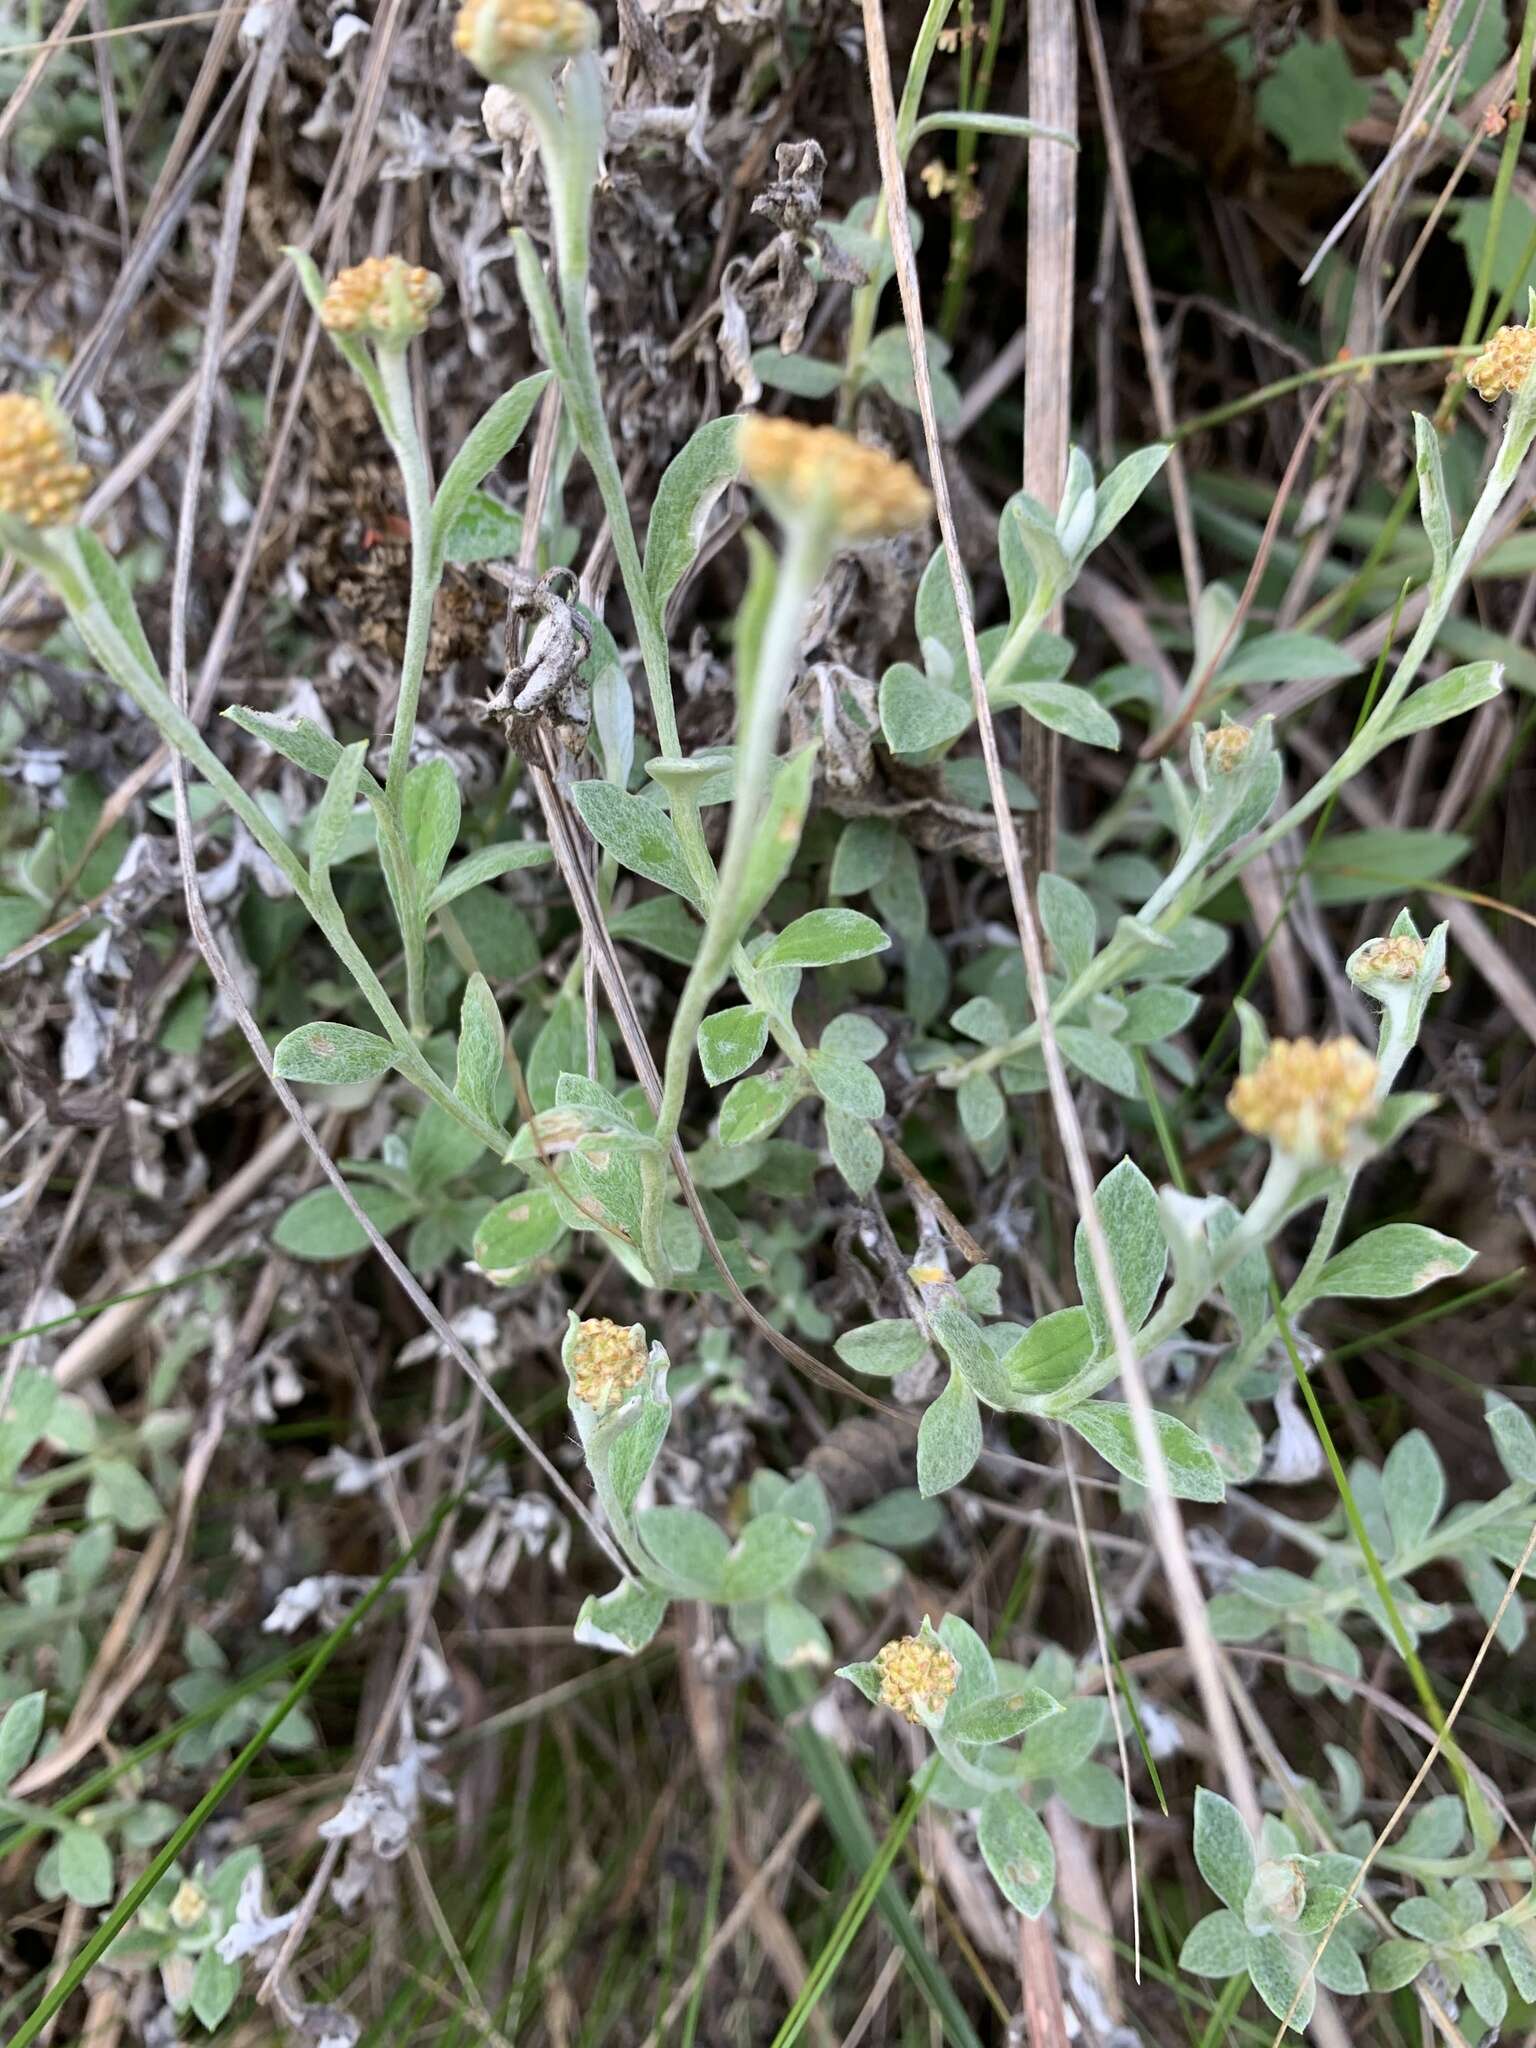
[804,560]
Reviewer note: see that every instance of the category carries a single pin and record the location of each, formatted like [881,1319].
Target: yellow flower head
[384,299]
[1226,746]
[1306,1098]
[496,34]
[188,1906]
[915,1673]
[1393,959]
[605,1361]
[41,483]
[1503,364]
[869,493]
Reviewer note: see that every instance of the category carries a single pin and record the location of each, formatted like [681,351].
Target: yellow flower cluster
[41,483]
[1395,959]
[1226,746]
[869,493]
[383,299]
[913,1674]
[605,1361]
[1307,1098]
[494,34]
[1503,364]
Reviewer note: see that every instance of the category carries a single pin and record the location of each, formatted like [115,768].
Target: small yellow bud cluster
[1503,364]
[188,1906]
[1226,746]
[605,1362]
[494,34]
[1307,1098]
[383,299]
[1394,959]
[869,494]
[41,483]
[915,1673]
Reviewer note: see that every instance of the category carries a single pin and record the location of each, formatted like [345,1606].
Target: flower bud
[188,1906]
[1398,957]
[868,494]
[1226,746]
[1307,1099]
[1503,364]
[915,1673]
[1279,1890]
[41,484]
[605,1361]
[497,35]
[384,300]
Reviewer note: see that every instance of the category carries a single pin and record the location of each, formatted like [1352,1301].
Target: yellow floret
[41,483]
[382,299]
[1307,1099]
[915,1673]
[496,34]
[1503,364]
[869,494]
[605,1361]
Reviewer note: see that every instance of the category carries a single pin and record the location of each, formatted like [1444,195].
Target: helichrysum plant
[514,1169]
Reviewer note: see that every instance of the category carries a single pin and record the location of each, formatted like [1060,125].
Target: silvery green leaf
[1101,1058]
[1074,515]
[917,714]
[1017,1850]
[1059,1745]
[1452,695]
[1223,1848]
[900,1521]
[1066,709]
[848,1085]
[613,702]
[824,938]
[977,1675]
[768,1556]
[1030,553]
[481,1049]
[298,740]
[1128,1212]
[492,437]
[1050,1354]
[856,1150]
[853,1036]
[1518,1948]
[1483,1986]
[1396,1963]
[1435,1832]
[1288,657]
[971,1356]
[984,1106]
[1000,1718]
[948,1438]
[862,857]
[485,866]
[1216,1946]
[333,1055]
[1396,1260]
[85,1866]
[19,1730]
[1277,1963]
[215,1985]
[515,1233]
[319,1225]
[688,1549]
[1093,1794]
[333,814]
[757,1106]
[934,616]
[1434,505]
[1426,1918]
[1514,1437]
[730,1041]
[1118,491]
[777,838]
[882,1349]
[794,1638]
[110,589]
[1486,1585]
[624,1620]
[860,1569]
[430,810]
[637,832]
[801,376]
[979,1290]
[1157,1012]
[690,486]
[866,1677]
[1340,1969]
[1413,1481]
[483,530]
[1349,1778]
[1070,923]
